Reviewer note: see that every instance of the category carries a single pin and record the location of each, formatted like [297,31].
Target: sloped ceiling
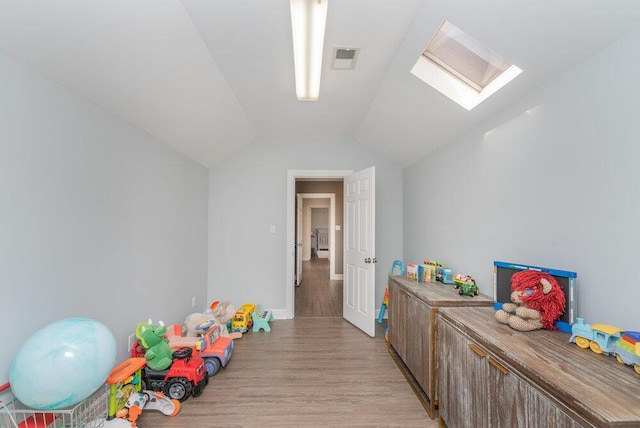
[208,77]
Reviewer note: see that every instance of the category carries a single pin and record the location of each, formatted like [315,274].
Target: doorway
[292,177]
[318,220]
[319,288]
[359,245]
[321,235]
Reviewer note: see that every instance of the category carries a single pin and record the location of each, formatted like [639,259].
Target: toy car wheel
[212,366]
[178,388]
[582,342]
[595,347]
[199,388]
[636,367]
[460,291]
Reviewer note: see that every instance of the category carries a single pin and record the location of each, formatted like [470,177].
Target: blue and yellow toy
[609,340]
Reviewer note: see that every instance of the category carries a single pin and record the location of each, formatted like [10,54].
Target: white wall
[310,209]
[552,181]
[248,193]
[96,218]
[319,218]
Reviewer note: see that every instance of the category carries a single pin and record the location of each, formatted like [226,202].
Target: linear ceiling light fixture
[308,21]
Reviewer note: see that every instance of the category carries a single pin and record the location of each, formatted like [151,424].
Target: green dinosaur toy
[157,351]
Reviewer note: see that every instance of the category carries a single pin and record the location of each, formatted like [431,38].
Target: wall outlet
[193,302]
[132,340]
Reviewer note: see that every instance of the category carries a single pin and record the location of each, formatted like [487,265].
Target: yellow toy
[242,320]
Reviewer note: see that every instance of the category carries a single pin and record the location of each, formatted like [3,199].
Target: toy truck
[242,321]
[466,285]
[214,349]
[186,376]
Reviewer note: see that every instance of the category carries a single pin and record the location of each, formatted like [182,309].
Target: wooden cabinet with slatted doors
[412,311]
[494,376]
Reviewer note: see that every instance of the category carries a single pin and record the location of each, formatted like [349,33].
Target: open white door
[299,200]
[359,250]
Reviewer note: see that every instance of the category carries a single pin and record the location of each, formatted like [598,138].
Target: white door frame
[299,238]
[292,175]
[331,226]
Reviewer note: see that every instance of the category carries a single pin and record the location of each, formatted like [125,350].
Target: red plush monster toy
[537,302]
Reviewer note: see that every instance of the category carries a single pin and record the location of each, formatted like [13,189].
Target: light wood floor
[306,372]
[317,296]
[316,370]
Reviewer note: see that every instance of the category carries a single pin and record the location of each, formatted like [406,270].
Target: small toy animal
[194,320]
[158,353]
[537,302]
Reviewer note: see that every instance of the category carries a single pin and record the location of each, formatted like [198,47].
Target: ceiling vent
[344,58]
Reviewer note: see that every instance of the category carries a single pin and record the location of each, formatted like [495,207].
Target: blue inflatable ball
[63,363]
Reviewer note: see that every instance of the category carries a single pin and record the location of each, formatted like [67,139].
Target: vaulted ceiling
[208,77]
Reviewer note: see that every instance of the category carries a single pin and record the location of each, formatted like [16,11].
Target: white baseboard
[279,314]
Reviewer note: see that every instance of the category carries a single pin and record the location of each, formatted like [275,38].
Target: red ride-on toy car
[214,349]
[186,376]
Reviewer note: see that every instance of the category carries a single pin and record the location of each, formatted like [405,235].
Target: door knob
[367,260]
[375,260]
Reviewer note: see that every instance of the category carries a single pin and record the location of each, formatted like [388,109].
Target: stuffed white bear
[194,320]
[221,313]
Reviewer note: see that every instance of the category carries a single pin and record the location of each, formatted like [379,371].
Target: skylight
[461,68]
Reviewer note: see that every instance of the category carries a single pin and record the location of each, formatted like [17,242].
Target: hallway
[318,296]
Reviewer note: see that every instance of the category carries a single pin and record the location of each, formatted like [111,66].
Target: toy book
[425,272]
[412,271]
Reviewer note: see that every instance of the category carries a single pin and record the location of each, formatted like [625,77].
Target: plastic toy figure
[466,285]
[157,349]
